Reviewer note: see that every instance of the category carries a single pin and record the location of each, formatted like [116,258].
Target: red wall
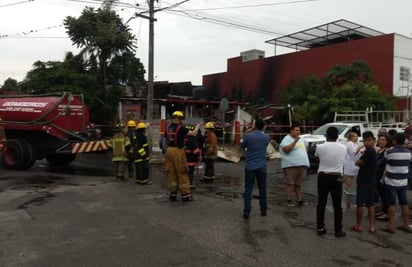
[268,77]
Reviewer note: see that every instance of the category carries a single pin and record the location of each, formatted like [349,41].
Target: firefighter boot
[173,196]
[187,197]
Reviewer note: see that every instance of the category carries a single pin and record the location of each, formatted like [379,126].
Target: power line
[25,33]
[100,2]
[38,37]
[18,3]
[172,6]
[249,6]
[224,22]
[22,34]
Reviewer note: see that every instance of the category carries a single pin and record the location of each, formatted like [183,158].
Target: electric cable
[17,3]
[249,6]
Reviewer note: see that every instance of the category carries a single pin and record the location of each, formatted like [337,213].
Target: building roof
[327,34]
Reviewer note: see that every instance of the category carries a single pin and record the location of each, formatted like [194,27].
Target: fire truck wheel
[28,152]
[14,157]
[60,159]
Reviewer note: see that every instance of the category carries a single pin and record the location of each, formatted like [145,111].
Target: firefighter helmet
[209,125]
[141,125]
[178,114]
[131,124]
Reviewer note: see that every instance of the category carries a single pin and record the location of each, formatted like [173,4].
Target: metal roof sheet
[330,33]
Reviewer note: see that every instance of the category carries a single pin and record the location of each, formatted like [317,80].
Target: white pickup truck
[318,136]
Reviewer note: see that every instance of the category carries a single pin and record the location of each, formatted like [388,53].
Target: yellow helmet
[141,125]
[178,114]
[131,124]
[209,125]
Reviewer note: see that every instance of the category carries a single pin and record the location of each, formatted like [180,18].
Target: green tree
[10,85]
[56,76]
[102,35]
[344,88]
[300,93]
[105,65]
[127,69]
[342,74]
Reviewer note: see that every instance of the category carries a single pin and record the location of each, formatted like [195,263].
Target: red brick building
[341,42]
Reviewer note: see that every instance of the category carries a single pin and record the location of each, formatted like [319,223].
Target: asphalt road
[80,216]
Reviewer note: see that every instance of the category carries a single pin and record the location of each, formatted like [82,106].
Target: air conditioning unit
[252,55]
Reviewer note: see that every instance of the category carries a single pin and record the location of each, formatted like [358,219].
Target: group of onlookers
[381,168]
[382,177]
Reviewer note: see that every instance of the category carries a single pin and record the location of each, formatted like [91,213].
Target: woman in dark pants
[382,146]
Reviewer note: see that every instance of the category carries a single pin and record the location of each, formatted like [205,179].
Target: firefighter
[193,154]
[175,157]
[120,145]
[210,152]
[131,133]
[141,153]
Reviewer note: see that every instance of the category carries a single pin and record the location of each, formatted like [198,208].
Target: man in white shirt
[331,157]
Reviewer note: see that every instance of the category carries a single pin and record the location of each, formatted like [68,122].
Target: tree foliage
[102,36]
[343,74]
[102,70]
[126,69]
[344,88]
[10,84]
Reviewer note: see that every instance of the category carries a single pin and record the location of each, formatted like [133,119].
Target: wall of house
[266,78]
[402,59]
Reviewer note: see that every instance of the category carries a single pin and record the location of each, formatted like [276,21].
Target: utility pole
[149,108]
[150,86]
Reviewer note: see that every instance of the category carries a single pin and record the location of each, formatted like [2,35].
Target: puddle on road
[224,186]
[37,179]
[81,170]
[35,182]
[153,195]
[231,181]
[229,195]
[36,201]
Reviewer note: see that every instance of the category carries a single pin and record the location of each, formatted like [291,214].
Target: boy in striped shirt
[396,182]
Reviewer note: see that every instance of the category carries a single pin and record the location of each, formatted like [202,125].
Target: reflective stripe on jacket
[120,143]
[142,149]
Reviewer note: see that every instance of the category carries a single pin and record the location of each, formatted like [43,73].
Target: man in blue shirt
[255,143]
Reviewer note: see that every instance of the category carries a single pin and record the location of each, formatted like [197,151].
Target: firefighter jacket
[210,145]
[132,137]
[193,152]
[175,135]
[120,145]
[141,148]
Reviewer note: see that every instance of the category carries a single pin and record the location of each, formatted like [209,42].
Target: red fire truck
[52,126]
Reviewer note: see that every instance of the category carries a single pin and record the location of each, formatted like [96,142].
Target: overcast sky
[189,39]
